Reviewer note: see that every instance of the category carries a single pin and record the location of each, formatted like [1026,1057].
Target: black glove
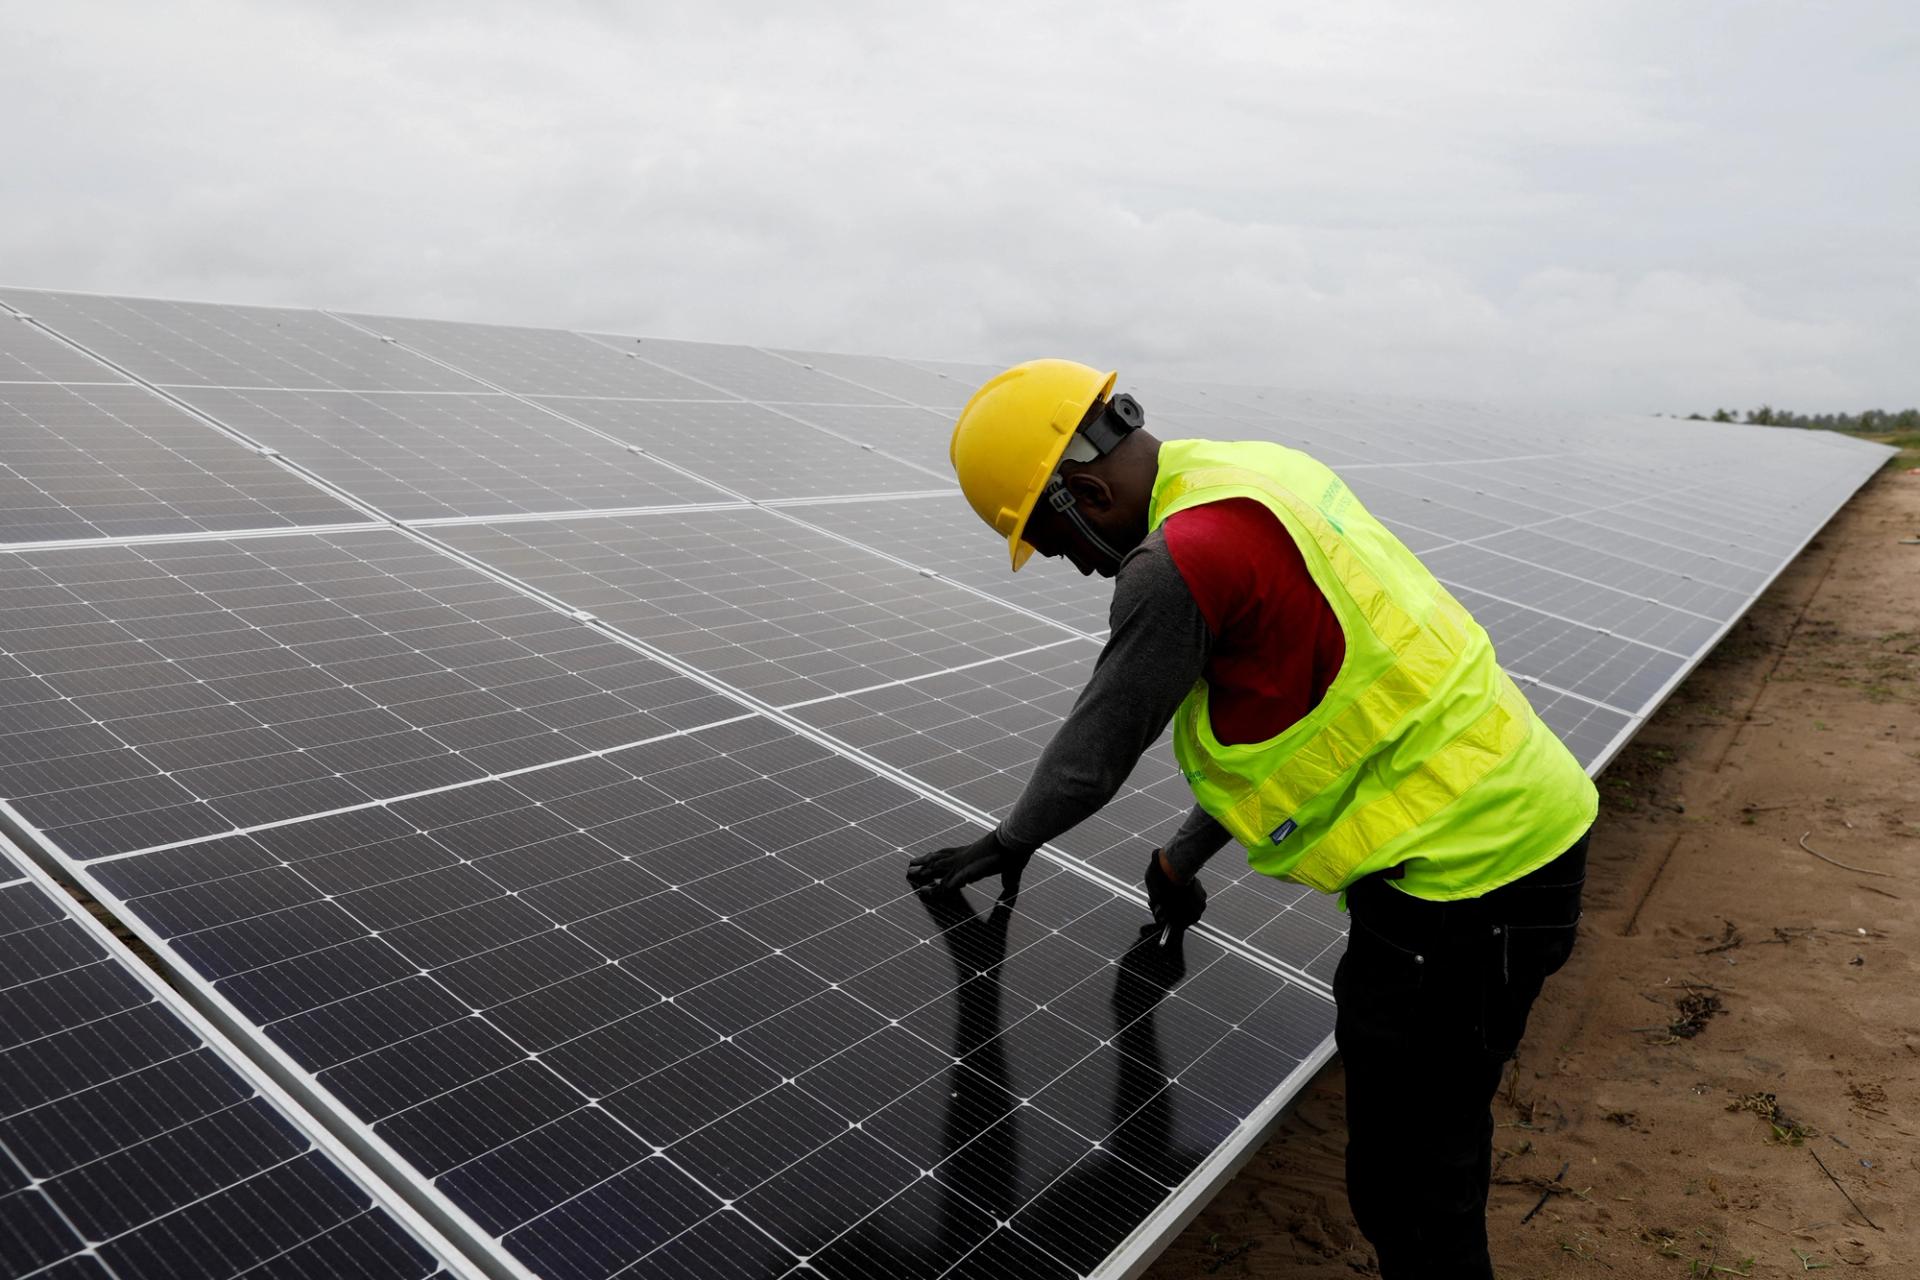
[1176,907]
[945,870]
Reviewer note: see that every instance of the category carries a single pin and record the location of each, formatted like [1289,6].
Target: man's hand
[945,870]
[1176,905]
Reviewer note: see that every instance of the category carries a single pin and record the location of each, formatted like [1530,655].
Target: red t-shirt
[1277,644]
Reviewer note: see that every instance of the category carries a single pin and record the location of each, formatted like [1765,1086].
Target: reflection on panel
[976,736]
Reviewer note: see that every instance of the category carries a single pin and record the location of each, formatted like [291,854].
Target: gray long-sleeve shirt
[1156,649]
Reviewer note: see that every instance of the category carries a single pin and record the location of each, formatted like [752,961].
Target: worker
[1339,715]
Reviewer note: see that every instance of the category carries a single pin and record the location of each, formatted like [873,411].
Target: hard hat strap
[1061,499]
[1106,424]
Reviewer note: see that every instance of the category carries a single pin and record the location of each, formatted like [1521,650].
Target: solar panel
[1626,613]
[1593,732]
[418,456]
[746,372]
[965,378]
[170,691]
[906,432]
[89,454]
[130,1145]
[754,450]
[198,344]
[1577,658]
[755,599]
[1376,430]
[921,531]
[556,831]
[537,362]
[896,378]
[30,355]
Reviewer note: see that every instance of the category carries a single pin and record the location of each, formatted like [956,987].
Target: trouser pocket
[1379,964]
[1522,958]
[1531,927]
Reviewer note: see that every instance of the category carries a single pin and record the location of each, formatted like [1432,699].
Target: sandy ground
[1739,1012]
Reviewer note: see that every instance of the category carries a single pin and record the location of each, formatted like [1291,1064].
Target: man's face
[1053,535]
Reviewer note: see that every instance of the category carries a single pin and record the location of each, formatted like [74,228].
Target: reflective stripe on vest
[1418,718]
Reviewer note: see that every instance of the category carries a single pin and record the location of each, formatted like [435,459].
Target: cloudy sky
[1642,206]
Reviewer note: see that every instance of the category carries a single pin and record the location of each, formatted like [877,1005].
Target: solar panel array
[517,736]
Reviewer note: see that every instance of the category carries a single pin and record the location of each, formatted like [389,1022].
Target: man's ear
[1090,491]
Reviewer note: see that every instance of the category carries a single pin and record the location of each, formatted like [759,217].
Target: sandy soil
[1739,1012]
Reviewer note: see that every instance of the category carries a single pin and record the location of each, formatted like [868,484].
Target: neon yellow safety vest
[1423,752]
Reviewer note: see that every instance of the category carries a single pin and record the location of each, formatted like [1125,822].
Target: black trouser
[1433,998]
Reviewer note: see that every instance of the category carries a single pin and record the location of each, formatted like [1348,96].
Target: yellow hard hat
[1011,435]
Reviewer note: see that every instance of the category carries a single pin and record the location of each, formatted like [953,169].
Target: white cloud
[1635,206]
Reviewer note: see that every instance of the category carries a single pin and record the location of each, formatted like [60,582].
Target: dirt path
[1739,1011]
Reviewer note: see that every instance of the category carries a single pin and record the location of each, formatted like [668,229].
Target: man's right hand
[946,870]
[1177,905]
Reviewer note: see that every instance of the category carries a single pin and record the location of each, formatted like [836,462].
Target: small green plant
[1808,1264]
[1580,1248]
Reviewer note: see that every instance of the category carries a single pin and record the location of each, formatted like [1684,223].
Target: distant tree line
[1867,421]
